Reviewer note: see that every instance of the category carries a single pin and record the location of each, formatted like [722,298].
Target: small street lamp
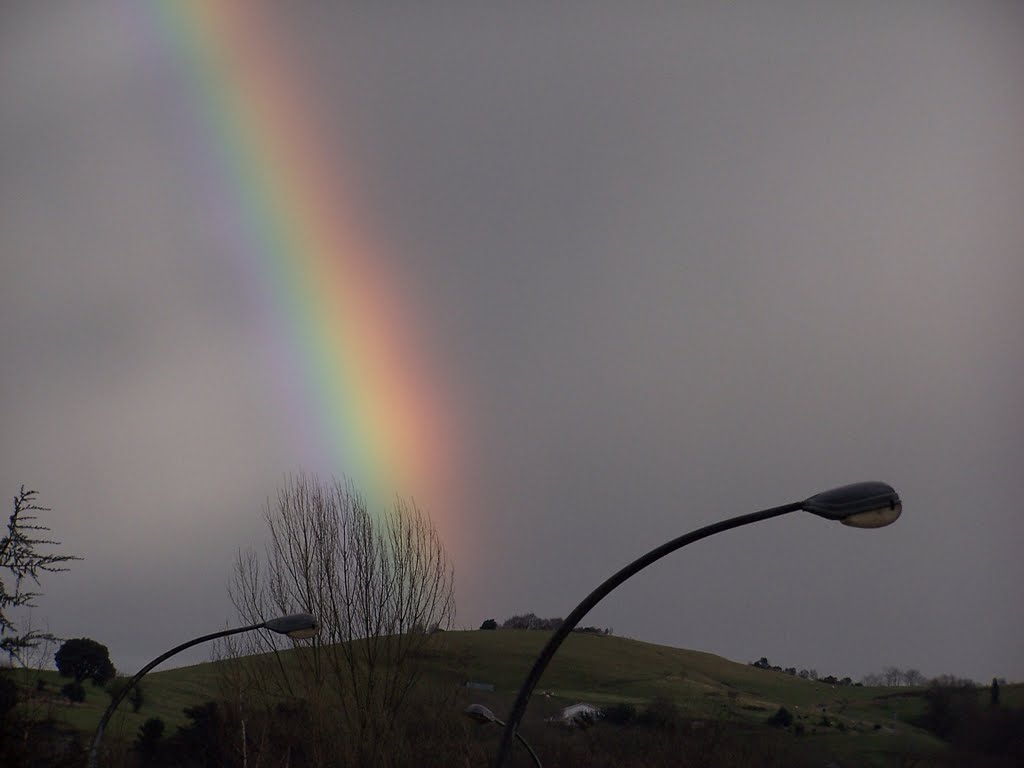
[484,716]
[298,626]
[870,504]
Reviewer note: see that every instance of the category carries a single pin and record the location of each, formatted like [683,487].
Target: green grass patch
[865,726]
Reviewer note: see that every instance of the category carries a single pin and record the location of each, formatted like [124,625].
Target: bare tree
[914,677]
[893,676]
[377,585]
[22,558]
[874,679]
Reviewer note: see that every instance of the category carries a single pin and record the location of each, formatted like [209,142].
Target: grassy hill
[864,726]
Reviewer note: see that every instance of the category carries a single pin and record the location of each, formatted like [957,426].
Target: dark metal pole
[525,743]
[581,610]
[93,750]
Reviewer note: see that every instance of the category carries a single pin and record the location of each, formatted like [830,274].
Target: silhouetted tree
[602,631]
[952,703]
[489,624]
[23,560]
[521,621]
[781,719]
[8,694]
[83,659]
[200,742]
[913,677]
[374,581]
[994,693]
[892,676]
[136,696]
[148,742]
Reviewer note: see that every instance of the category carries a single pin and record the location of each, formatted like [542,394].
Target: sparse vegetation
[620,713]
[23,560]
[721,709]
[73,691]
[533,621]
[136,695]
[781,719]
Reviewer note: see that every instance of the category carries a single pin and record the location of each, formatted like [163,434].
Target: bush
[73,691]
[136,696]
[489,624]
[147,743]
[8,694]
[599,631]
[622,713]
[950,704]
[662,712]
[531,621]
[781,719]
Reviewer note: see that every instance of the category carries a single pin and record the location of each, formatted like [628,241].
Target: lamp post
[860,505]
[298,626]
[484,716]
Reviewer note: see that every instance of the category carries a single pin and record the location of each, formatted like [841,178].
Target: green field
[865,726]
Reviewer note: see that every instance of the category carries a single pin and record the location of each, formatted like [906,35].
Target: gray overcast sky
[679,262]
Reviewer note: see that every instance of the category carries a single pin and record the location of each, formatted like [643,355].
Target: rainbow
[374,399]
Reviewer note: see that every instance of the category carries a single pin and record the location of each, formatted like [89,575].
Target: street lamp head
[298,626]
[861,505]
[480,714]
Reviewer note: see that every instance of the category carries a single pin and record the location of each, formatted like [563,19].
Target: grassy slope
[599,670]
[603,670]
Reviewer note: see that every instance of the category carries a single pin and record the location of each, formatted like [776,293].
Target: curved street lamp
[860,505]
[484,716]
[298,626]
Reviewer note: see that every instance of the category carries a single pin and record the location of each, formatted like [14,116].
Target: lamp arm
[525,743]
[581,610]
[119,697]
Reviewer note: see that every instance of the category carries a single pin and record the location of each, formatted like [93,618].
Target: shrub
[781,719]
[661,712]
[489,624]
[136,696]
[73,691]
[600,631]
[621,713]
[147,743]
[8,694]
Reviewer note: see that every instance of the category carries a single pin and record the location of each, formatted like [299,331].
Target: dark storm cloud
[681,263]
